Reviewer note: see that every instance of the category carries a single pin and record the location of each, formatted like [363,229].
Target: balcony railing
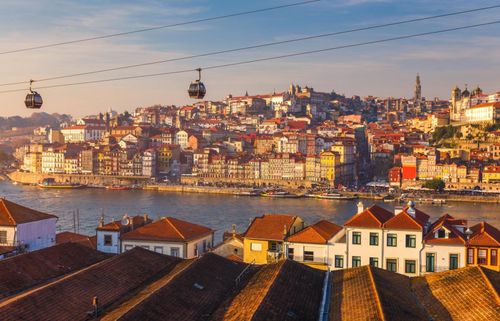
[274,256]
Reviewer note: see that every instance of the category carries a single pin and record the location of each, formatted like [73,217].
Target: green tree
[436,184]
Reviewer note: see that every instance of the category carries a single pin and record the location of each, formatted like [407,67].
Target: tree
[436,184]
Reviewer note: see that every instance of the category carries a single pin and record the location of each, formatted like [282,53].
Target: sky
[463,57]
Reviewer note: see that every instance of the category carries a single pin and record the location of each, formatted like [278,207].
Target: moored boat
[118,187]
[280,194]
[335,196]
[50,183]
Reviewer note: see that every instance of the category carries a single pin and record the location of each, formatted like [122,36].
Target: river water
[218,212]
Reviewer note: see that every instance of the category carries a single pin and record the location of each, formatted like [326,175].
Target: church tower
[418,90]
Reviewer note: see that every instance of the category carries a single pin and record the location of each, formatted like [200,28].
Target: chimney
[411,208]
[146,219]
[233,230]
[101,221]
[361,207]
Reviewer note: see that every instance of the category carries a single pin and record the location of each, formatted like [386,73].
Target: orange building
[483,246]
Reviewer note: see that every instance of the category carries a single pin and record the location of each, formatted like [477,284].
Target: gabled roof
[318,233]
[117,226]
[270,227]
[70,298]
[25,271]
[484,234]
[282,291]
[368,293]
[406,221]
[373,216]
[12,214]
[168,229]
[70,237]
[446,221]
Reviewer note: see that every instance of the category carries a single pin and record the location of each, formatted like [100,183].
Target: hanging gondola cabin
[33,99]
[197,89]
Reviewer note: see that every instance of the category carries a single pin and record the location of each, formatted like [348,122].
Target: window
[145,247]
[453,261]
[374,261]
[273,246]
[174,251]
[256,247]
[482,256]
[441,233]
[493,257]
[108,239]
[373,238]
[356,237]
[470,256]
[308,256]
[195,252]
[391,265]
[159,249]
[430,260]
[392,239]
[128,247]
[356,261]
[339,261]
[411,241]
[290,253]
[410,266]
[3,237]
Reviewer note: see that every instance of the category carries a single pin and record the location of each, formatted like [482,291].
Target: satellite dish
[125,220]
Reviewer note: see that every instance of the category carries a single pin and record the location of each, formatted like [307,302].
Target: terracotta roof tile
[447,221]
[12,214]
[168,229]
[25,271]
[270,227]
[70,237]
[405,221]
[318,233]
[373,216]
[484,234]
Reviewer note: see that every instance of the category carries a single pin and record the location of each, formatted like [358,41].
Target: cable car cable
[296,54]
[213,53]
[158,27]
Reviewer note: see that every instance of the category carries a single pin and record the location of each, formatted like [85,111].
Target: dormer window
[441,233]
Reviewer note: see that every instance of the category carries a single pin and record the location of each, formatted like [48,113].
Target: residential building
[265,237]
[109,236]
[483,246]
[170,236]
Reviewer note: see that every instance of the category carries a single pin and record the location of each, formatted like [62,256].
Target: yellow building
[483,246]
[491,174]
[263,241]
[329,166]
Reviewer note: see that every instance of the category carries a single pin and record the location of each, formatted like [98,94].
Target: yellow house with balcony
[263,241]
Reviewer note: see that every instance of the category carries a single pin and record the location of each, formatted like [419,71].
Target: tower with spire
[418,90]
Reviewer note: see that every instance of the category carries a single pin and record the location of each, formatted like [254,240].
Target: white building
[82,133]
[444,245]
[317,245]
[109,235]
[170,236]
[483,113]
[181,139]
[25,228]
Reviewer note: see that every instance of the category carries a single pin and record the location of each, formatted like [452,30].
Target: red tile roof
[405,221]
[373,216]
[318,233]
[25,271]
[70,237]
[270,227]
[117,226]
[447,221]
[168,229]
[484,234]
[12,214]
[70,298]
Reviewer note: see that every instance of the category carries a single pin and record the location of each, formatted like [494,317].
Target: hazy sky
[389,69]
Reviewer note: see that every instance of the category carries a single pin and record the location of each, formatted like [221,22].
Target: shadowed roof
[168,229]
[283,291]
[70,298]
[12,214]
[270,227]
[318,233]
[25,271]
[70,237]
[484,234]
[373,216]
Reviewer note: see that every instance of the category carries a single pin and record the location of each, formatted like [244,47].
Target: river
[218,212]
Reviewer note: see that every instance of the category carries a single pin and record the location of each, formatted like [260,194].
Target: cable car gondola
[33,99]
[197,89]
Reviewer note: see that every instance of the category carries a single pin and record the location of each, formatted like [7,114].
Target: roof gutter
[324,308]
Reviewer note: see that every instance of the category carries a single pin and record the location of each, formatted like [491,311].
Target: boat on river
[247,193]
[51,183]
[118,187]
[279,194]
[335,196]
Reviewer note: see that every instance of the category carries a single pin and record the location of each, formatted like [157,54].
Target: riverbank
[101,180]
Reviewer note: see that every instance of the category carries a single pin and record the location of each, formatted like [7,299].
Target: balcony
[274,256]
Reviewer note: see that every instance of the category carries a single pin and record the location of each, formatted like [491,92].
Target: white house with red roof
[404,234]
[444,245]
[316,245]
[108,236]
[365,237]
[22,227]
[170,236]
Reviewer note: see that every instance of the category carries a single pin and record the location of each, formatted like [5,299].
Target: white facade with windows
[185,250]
